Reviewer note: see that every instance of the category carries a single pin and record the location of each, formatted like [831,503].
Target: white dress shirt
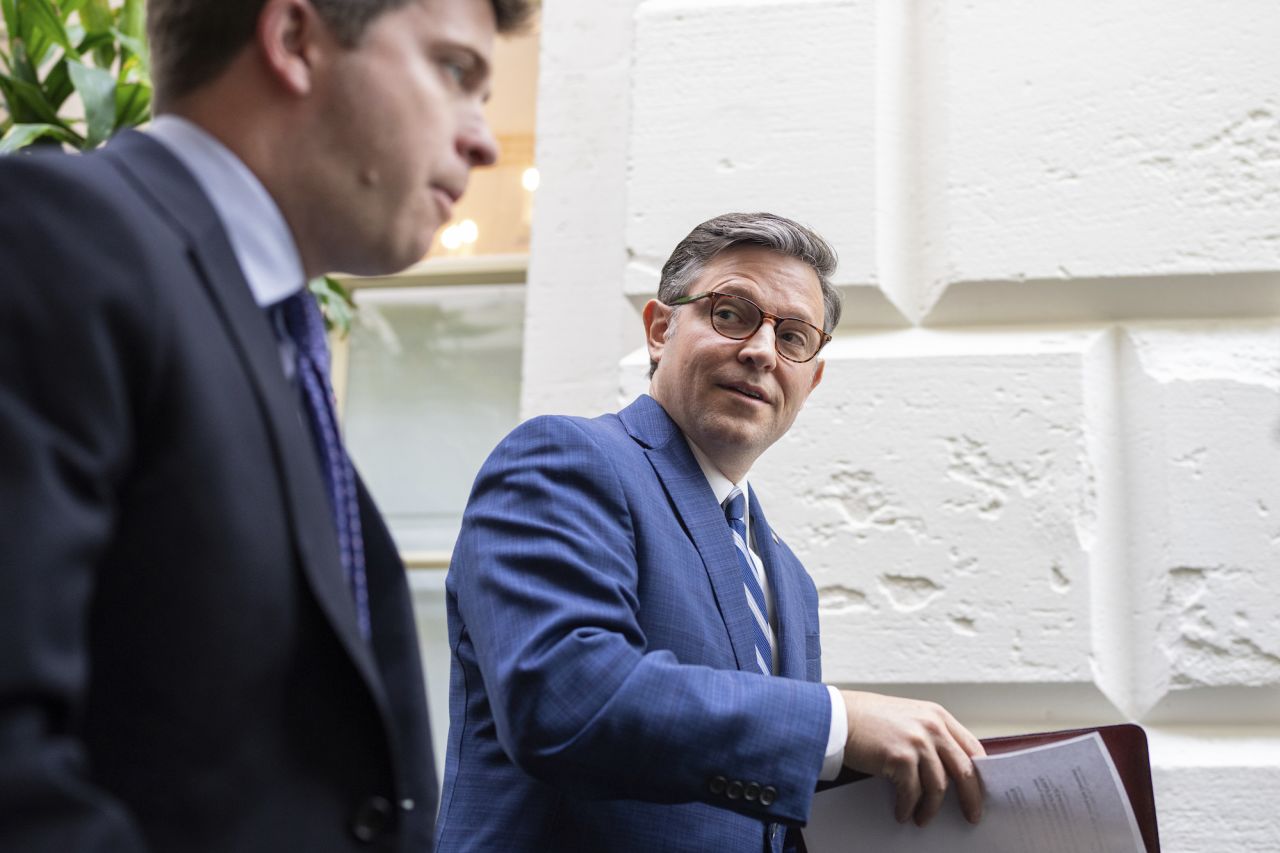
[260,238]
[722,486]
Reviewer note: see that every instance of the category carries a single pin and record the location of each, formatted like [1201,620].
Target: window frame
[476,270]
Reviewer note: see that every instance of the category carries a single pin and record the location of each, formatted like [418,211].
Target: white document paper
[1064,797]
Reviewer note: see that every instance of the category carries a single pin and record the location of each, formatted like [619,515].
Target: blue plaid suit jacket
[604,694]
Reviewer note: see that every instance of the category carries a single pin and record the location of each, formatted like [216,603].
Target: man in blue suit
[636,652]
[206,634]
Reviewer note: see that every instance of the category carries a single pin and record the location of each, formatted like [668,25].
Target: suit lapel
[787,601]
[695,506]
[162,179]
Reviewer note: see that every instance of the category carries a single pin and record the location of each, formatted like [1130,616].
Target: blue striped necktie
[735,512]
[303,324]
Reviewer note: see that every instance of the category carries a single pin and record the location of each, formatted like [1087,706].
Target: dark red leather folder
[1127,744]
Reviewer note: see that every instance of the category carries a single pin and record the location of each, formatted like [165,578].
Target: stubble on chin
[728,435]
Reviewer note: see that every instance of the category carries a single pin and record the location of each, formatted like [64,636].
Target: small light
[530,179]
[468,231]
[450,238]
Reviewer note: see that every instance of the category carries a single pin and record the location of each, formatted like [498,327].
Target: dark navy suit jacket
[604,693]
[180,668]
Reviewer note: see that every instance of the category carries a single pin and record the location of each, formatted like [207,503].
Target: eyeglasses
[739,318]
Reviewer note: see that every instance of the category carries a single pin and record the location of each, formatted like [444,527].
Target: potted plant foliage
[75,72]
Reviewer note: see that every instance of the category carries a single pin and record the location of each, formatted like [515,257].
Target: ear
[817,374]
[657,322]
[290,37]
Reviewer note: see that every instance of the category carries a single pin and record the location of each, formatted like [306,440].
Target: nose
[476,144]
[760,349]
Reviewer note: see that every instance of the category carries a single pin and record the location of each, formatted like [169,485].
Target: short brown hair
[192,41]
[765,230]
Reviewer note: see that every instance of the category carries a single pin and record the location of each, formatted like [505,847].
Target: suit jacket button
[371,819]
[767,795]
[751,793]
[734,791]
[717,785]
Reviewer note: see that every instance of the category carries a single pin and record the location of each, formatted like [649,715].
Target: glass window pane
[433,384]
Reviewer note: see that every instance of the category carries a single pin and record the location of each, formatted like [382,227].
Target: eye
[797,337]
[455,70]
[791,336]
[461,67]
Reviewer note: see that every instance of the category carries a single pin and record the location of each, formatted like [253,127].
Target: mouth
[743,389]
[446,197]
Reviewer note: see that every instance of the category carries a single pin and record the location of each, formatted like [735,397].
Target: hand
[917,746]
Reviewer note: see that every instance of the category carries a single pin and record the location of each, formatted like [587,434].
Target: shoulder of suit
[603,437]
[601,426]
[44,177]
[74,224]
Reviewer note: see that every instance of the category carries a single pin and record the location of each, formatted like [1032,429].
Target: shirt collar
[722,486]
[260,238]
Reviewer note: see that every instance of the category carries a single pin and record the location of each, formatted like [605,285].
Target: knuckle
[901,758]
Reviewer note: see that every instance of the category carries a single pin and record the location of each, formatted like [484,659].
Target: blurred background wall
[1041,480]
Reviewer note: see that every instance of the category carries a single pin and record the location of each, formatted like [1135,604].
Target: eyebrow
[725,284]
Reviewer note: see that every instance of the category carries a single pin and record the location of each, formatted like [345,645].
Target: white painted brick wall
[726,99]
[935,488]
[1094,138]
[1041,479]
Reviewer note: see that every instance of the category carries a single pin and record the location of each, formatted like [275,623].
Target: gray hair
[765,230]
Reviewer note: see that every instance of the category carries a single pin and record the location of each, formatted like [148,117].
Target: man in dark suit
[206,637]
[636,652]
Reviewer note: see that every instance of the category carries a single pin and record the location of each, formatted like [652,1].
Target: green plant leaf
[133,23]
[22,67]
[105,56]
[96,15]
[10,13]
[103,47]
[45,19]
[95,40]
[31,41]
[10,99]
[97,90]
[133,104]
[336,304]
[57,85]
[22,135]
[27,103]
[137,49]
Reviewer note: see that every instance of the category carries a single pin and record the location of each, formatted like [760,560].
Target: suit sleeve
[546,578]
[68,348]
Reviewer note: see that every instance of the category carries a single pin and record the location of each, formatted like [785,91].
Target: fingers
[933,786]
[907,784]
[959,766]
[959,763]
[918,746]
[970,744]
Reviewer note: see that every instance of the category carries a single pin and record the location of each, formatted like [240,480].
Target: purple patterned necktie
[735,507]
[303,324]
